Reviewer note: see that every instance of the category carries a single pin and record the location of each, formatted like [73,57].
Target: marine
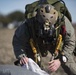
[48,34]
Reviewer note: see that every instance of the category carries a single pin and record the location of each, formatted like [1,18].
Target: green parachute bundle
[30,9]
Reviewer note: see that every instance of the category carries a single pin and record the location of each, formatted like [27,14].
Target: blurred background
[11,16]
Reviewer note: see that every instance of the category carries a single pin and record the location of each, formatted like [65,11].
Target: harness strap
[58,45]
[33,49]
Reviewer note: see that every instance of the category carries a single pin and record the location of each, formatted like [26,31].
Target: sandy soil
[6,50]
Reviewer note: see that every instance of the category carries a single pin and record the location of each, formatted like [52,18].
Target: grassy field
[6,49]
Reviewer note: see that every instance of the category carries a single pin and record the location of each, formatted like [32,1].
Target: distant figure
[46,31]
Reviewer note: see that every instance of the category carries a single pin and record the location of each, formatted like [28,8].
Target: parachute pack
[30,9]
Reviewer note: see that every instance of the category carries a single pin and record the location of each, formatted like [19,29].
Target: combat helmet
[47,16]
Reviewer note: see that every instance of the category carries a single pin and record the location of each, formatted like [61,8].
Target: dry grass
[6,49]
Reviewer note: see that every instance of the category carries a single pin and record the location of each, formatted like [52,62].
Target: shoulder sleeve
[69,40]
[20,40]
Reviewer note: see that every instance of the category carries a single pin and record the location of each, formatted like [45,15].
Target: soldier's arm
[69,41]
[20,41]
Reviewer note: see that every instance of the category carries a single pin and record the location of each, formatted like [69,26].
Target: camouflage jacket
[22,35]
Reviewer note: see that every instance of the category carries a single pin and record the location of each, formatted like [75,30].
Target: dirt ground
[6,50]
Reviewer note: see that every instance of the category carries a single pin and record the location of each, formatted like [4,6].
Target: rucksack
[30,9]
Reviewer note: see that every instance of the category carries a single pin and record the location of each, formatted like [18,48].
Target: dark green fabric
[30,8]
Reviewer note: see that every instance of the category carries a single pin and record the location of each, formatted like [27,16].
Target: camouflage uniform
[30,27]
[21,44]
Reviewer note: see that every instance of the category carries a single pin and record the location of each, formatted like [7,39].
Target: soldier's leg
[70,67]
[60,71]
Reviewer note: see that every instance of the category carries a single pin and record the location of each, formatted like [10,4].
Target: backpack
[30,9]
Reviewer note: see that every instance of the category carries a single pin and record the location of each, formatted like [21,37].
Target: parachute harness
[55,54]
[36,55]
[58,45]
